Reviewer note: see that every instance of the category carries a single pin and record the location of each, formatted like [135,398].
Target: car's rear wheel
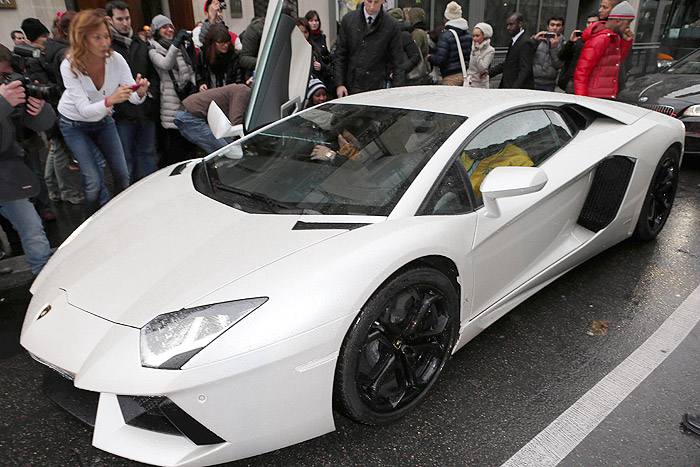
[397,347]
[659,199]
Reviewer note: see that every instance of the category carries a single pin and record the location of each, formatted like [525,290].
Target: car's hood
[161,246]
[677,91]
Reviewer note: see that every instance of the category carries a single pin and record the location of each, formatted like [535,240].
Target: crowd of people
[137,100]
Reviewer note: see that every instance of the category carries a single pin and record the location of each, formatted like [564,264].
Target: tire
[397,347]
[659,199]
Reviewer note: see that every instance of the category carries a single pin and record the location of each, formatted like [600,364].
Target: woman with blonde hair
[481,56]
[96,79]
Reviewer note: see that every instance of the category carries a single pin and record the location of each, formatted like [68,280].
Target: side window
[522,139]
[450,196]
[560,126]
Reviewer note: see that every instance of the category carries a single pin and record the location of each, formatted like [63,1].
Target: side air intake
[612,176]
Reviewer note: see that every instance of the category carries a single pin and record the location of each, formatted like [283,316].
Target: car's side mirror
[504,182]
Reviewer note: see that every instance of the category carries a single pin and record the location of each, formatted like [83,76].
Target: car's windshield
[689,65]
[334,159]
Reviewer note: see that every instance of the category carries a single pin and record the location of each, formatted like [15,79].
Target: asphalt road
[494,396]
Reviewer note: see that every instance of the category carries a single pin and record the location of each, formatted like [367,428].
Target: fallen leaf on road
[598,328]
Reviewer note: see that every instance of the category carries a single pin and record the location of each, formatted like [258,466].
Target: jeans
[138,141]
[197,131]
[27,223]
[93,143]
[57,173]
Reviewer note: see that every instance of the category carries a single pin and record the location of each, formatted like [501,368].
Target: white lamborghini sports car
[223,307]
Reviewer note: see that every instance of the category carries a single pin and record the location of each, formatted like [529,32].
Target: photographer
[29,60]
[173,63]
[96,79]
[17,182]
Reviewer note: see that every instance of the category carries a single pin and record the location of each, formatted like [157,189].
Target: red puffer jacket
[599,66]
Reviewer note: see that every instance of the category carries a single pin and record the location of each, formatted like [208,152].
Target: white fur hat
[486,29]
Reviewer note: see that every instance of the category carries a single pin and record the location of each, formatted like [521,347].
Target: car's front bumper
[692,135]
[242,406]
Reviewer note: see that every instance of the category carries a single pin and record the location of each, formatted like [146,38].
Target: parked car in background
[674,91]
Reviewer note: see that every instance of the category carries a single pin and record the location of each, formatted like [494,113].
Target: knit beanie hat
[453,11]
[486,29]
[314,85]
[397,13]
[158,22]
[33,28]
[622,10]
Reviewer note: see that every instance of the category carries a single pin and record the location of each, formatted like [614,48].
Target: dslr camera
[21,55]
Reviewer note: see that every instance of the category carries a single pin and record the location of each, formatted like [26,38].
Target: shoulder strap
[461,55]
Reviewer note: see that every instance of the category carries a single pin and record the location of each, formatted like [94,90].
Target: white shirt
[515,38]
[374,16]
[82,102]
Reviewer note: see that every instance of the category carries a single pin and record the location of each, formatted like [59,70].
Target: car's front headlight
[692,111]
[170,340]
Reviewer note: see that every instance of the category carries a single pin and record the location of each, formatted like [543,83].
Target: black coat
[366,56]
[139,62]
[517,67]
[225,70]
[411,56]
[54,51]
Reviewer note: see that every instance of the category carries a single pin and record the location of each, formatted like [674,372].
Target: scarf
[122,38]
[316,32]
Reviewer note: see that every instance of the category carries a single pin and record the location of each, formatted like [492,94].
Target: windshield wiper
[271,203]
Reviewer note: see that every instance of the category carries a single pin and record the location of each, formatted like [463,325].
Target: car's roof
[455,100]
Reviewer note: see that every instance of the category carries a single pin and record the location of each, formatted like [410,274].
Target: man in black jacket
[369,50]
[135,123]
[517,67]
[17,182]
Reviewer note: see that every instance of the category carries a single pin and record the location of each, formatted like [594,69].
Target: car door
[281,73]
[532,230]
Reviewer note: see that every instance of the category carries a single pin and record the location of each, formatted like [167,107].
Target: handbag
[17,181]
[419,71]
[182,94]
[465,79]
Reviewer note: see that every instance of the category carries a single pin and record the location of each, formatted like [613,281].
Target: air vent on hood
[328,225]
[178,170]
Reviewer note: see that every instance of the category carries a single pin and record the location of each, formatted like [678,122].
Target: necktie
[369,22]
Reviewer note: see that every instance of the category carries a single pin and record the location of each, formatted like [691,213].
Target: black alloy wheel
[397,347]
[659,199]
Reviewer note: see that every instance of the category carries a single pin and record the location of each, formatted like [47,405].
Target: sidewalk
[21,273]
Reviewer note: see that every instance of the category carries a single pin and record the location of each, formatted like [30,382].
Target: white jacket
[165,60]
[479,61]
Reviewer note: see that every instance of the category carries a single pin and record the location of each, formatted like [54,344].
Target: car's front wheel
[659,199]
[397,346]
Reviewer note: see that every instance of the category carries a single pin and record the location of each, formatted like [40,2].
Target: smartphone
[550,35]
[578,33]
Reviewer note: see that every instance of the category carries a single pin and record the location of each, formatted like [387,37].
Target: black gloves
[181,37]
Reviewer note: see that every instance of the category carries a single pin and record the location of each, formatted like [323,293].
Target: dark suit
[517,67]
[365,57]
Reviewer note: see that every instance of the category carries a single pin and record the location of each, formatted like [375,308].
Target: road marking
[556,441]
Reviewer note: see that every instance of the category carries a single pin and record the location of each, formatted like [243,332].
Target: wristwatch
[330,154]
